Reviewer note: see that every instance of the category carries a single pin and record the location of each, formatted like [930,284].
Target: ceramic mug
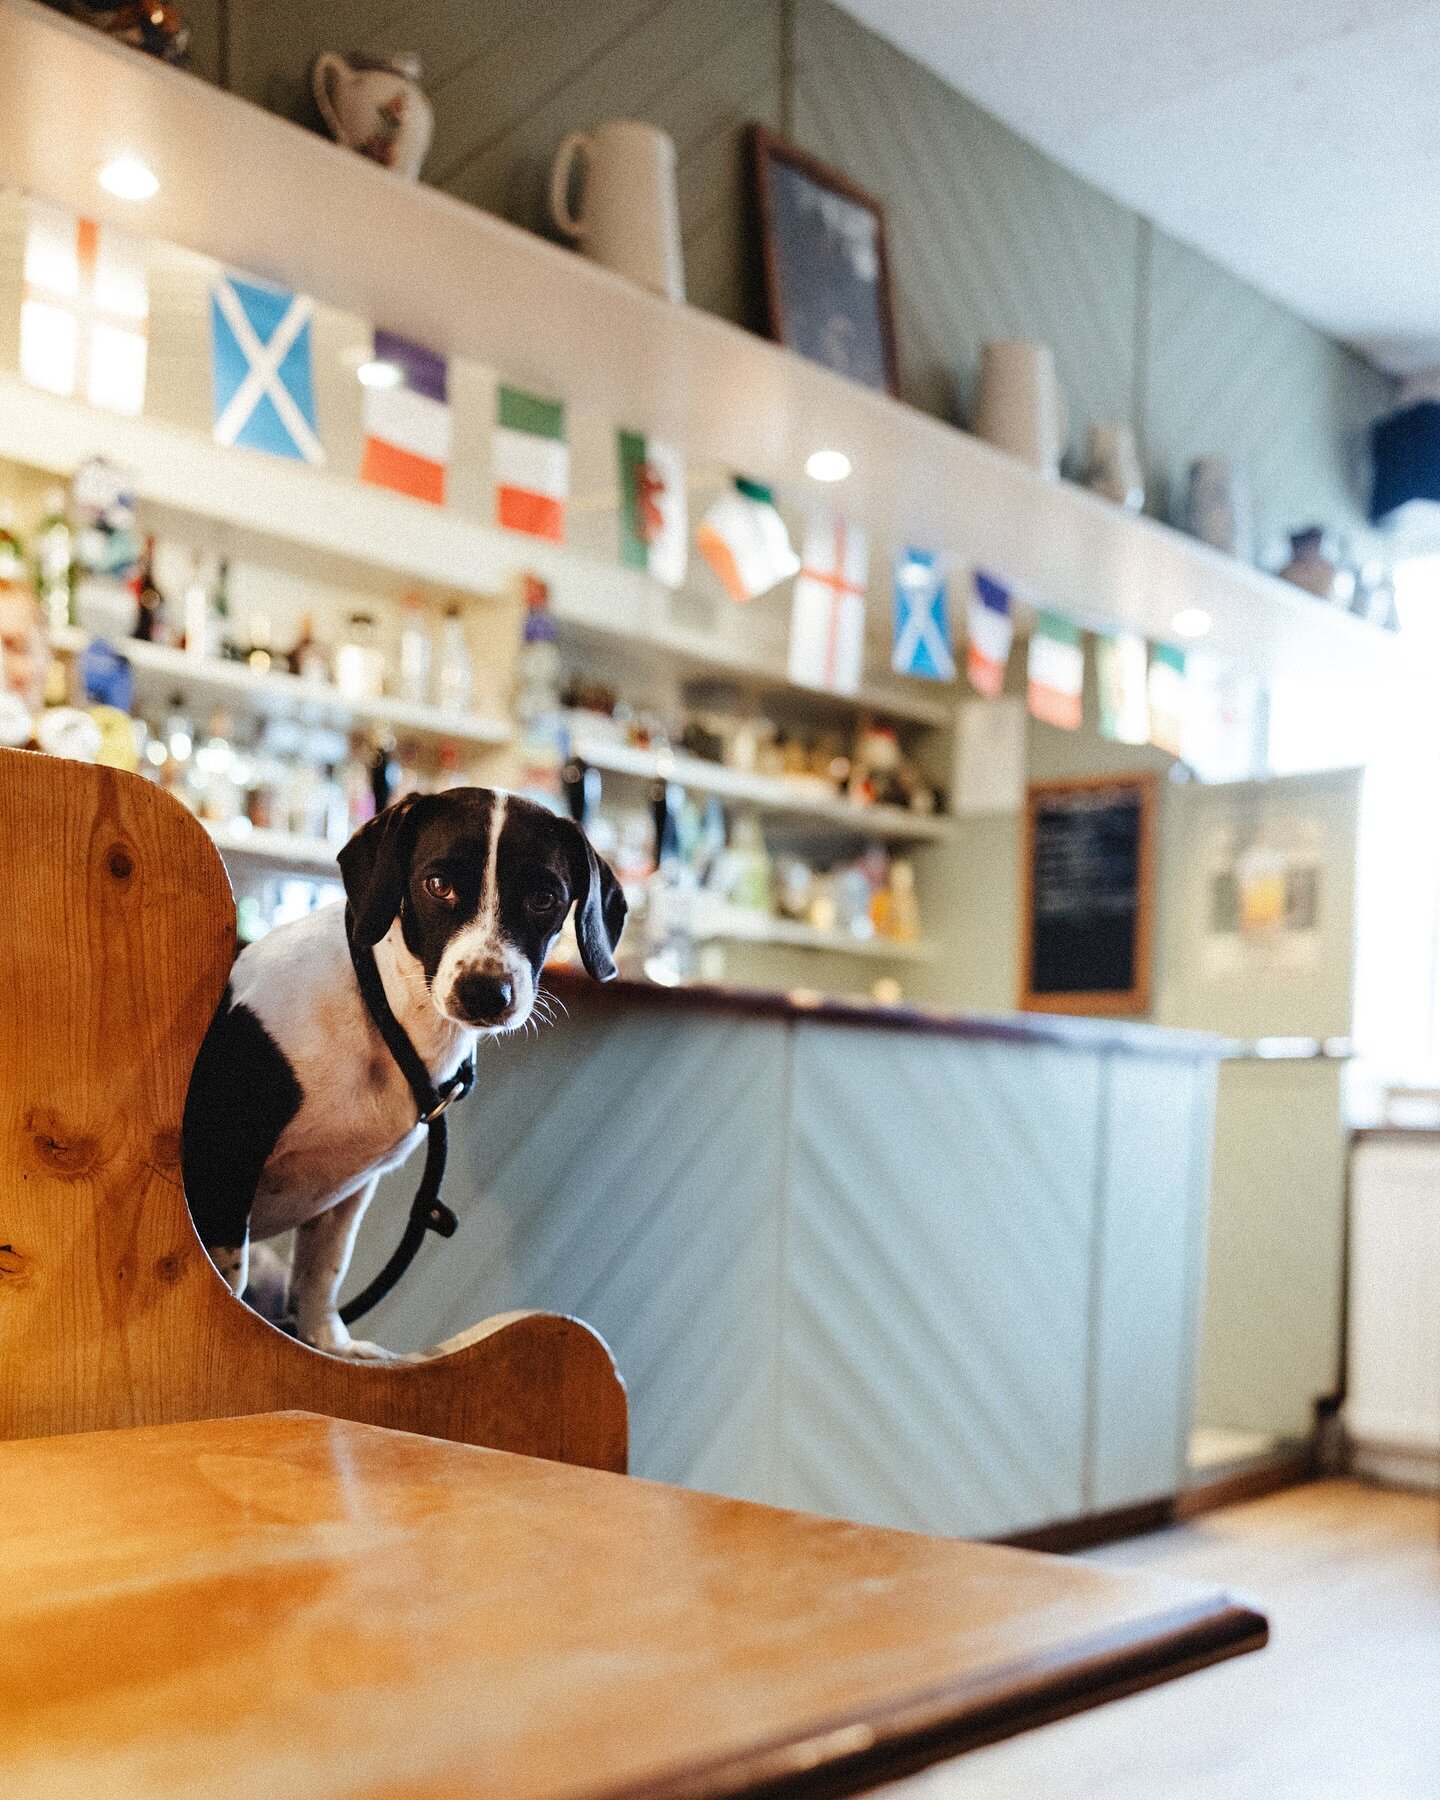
[375,104]
[1021,408]
[629,217]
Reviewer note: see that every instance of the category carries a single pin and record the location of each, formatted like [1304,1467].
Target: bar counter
[925,1270]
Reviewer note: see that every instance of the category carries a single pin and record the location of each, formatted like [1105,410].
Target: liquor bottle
[455,682]
[195,611]
[54,562]
[414,651]
[220,626]
[150,623]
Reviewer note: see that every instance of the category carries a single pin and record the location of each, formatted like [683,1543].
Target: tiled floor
[1344,1704]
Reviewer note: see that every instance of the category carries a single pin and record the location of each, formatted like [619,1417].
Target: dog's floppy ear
[375,865]
[600,906]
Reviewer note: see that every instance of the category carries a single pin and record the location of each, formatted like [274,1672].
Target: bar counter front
[941,1272]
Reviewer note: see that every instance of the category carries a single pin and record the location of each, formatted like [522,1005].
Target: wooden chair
[117,931]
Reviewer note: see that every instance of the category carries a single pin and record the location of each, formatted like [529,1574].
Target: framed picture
[1088,895]
[827,272]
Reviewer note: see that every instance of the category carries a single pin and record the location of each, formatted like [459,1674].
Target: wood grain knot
[165,1150]
[170,1268]
[14,1267]
[120,862]
[59,1150]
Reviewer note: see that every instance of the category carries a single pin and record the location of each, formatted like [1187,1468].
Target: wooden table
[302,1607]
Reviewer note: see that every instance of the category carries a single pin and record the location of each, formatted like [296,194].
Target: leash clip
[456,1088]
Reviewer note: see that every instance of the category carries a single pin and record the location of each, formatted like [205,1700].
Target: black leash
[428,1212]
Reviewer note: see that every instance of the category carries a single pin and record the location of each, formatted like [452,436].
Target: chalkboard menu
[1088,892]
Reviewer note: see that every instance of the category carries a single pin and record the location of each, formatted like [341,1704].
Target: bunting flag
[1055,671]
[261,370]
[653,530]
[532,465]
[1166,686]
[990,630]
[407,421]
[922,618]
[85,311]
[827,621]
[1121,677]
[1222,717]
[744,540]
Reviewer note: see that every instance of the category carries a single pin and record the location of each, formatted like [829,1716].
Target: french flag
[991,629]
[407,423]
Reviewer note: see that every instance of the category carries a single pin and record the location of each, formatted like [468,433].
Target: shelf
[554,320]
[274,693]
[715,921]
[772,795]
[279,849]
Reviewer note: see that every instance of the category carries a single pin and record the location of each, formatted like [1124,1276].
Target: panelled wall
[990,238]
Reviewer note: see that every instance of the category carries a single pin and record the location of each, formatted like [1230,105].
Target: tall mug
[1021,408]
[629,216]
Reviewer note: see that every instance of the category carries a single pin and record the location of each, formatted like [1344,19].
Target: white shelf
[274,693]
[715,921]
[279,849]
[772,795]
[555,321]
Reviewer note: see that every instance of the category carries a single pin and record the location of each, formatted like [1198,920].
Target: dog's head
[481,883]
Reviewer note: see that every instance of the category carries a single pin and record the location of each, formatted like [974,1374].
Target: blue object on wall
[1406,450]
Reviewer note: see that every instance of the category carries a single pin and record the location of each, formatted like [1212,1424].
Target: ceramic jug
[1021,408]
[375,104]
[1112,467]
[629,215]
[1217,506]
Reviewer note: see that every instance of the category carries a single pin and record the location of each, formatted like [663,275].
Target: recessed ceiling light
[1191,622]
[827,465]
[127,178]
[377,374]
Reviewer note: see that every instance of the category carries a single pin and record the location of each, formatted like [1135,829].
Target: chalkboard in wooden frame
[1088,895]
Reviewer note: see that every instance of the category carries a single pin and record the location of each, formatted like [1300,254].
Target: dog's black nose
[484,998]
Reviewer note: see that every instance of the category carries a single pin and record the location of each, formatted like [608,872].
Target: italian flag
[1055,671]
[744,540]
[653,531]
[532,464]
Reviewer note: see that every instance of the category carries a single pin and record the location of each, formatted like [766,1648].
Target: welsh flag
[653,530]
[85,314]
[744,540]
[1120,676]
[1055,672]
[532,464]
[990,631]
[1167,698]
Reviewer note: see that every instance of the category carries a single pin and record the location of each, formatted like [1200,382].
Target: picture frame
[1092,952]
[826,263]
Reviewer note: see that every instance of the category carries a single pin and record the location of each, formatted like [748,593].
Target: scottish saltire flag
[654,533]
[990,630]
[1055,672]
[85,311]
[744,540]
[261,369]
[827,619]
[407,421]
[532,464]
[1121,670]
[922,618]
[1167,698]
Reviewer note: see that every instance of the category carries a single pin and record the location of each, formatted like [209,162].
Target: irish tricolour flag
[1056,671]
[744,540]
[532,464]
[654,534]
[407,420]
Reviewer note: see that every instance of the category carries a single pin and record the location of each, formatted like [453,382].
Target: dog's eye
[542,900]
[438,888]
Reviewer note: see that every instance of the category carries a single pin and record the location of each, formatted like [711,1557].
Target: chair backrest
[117,931]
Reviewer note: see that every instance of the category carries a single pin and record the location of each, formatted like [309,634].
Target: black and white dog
[296,1106]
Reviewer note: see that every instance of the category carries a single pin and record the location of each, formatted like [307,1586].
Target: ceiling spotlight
[377,374]
[1191,622]
[827,465]
[127,178]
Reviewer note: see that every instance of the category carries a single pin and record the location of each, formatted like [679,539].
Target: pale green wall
[989,237]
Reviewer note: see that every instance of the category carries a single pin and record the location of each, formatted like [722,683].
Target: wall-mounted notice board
[1088,879]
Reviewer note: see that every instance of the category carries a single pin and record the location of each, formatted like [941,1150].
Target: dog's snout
[484,998]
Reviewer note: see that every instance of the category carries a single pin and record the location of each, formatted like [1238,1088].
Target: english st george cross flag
[990,631]
[922,618]
[85,313]
[827,621]
[1056,672]
[261,369]
[653,531]
[532,464]
[407,424]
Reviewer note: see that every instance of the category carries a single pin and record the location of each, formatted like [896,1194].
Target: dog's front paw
[331,1336]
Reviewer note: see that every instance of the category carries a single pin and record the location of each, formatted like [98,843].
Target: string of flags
[84,333]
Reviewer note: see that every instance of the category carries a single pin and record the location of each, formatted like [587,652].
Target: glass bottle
[455,682]
[359,661]
[150,623]
[54,562]
[195,611]
[414,651]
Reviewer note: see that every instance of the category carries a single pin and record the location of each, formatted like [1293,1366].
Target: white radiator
[1392,1407]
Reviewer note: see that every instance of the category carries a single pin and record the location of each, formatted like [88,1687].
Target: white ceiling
[1297,142]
